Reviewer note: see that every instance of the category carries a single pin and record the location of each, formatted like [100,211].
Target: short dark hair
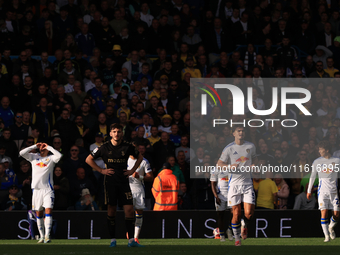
[116,125]
[234,127]
[325,145]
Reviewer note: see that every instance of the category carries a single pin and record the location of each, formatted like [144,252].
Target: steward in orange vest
[165,190]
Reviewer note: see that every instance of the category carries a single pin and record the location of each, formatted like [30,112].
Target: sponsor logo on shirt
[242,159]
[41,165]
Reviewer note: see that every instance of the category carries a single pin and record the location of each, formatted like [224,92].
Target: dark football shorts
[120,192]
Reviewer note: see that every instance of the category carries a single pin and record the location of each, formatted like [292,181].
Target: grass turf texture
[276,246]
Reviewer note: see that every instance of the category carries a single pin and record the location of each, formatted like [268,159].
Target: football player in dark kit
[115,154]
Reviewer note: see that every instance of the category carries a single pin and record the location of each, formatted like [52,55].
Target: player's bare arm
[90,161]
[148,177]
[214,191]
[134,168]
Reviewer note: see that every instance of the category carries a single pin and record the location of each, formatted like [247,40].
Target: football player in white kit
[42,185]
[326,167]
[219,185]
[238,155]
[136,181]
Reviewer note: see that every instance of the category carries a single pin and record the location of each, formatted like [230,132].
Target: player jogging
[136,180]
[238,155]
[42,185]
[115,154]
[219,185]
[326,167]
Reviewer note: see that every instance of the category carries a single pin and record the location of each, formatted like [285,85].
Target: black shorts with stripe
[117,191]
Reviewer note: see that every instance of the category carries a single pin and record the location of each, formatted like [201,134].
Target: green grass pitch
[274,246]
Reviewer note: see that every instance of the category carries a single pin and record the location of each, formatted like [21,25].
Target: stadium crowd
[102,73]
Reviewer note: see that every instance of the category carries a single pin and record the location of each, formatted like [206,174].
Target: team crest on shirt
[247,150]
[320,204]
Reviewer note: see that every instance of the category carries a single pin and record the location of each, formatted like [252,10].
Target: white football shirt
[327,171]
[42,167]
[242,155]
[222,181]
[143,168]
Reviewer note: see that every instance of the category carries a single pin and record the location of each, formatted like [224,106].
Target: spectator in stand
[267,193]
[69,69]
[80,182]
[133,66]
[282,194]
[63,24]
[6,112]
[330,70]
[195,73]
[302,203]
[85,41]
[13,202]
[61,189]
[163,148]
[67,129]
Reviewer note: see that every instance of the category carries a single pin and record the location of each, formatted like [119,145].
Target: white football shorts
[138,199]
[42,198]
[329,201]
[239,194]
[224,203]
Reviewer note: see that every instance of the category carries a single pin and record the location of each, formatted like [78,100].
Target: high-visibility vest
[165,190]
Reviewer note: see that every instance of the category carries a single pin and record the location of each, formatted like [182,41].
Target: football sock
[324,225]
[41,228]
[130,224]
[138,224]
[113,239]
[48,224]
[222,233]
[230,227]
[333,222]
[111,223]
[246,221]
[236,230]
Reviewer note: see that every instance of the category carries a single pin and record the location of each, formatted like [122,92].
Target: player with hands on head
[326,167]
[42,185]
[115,154]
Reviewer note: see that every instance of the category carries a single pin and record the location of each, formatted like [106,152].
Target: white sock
[236,230]
[113,239]
[48,224]
[324,225]
[333,222]
[138,224]
[243,223]
[41,228]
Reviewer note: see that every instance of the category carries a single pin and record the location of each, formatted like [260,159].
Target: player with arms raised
[42,185]
[115,154]
[326,167]
[219,185]
[234,156]
[136,180]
